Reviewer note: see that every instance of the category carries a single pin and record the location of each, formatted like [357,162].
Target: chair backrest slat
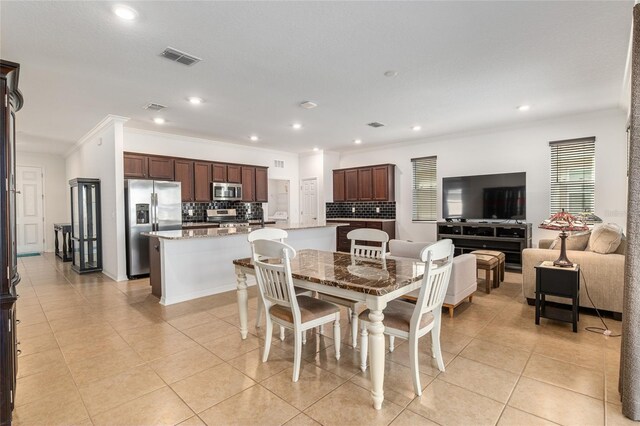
[368,235]
[438,260]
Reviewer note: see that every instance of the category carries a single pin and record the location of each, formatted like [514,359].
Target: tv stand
[509,238]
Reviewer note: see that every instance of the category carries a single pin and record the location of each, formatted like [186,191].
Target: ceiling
[461,66]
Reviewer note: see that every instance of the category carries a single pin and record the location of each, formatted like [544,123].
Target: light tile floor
[99,352]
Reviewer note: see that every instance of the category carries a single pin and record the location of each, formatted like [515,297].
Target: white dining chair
[274,234]
[408,321]
[377,251]
[298,313]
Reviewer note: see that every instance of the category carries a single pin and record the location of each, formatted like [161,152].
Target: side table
[560,282]
[62,232]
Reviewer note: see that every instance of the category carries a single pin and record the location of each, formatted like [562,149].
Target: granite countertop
[359,219]
[370,276]
[186,234]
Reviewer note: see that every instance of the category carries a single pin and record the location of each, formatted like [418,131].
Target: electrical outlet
[377,209]
[190,212]
[353,209]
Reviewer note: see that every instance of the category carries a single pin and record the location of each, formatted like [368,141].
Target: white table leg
[376,352]
[242,302]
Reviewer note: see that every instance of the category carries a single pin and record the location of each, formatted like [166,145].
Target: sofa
[463,281]
[602,274]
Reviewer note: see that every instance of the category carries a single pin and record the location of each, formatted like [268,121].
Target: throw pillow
[605,238]
[577,241]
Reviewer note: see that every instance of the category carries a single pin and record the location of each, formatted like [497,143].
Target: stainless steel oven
[226,191]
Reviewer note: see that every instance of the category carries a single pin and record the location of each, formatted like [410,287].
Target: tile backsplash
[363,210]
[244,211]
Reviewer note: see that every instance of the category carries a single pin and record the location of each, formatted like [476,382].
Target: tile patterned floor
[99,352]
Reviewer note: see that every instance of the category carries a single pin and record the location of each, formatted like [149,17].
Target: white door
[309,201]
[29,211]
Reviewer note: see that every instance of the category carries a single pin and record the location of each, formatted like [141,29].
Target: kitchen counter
[358,219]
[185,234]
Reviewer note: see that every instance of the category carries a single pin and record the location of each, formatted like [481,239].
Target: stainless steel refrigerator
[150,205]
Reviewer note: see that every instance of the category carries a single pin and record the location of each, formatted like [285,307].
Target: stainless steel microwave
[226,191]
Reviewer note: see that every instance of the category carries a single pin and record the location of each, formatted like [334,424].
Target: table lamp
[563,221]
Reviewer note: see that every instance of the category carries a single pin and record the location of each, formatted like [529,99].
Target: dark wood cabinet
[262,184]
[364,185]
[248,183]
[351,185]
[202,181]
[338,185]
[372,183]
[135,166]
[9,278]
[234,173]
[344,244]
[383,182]
[184,174]
[161,168]
[219,172]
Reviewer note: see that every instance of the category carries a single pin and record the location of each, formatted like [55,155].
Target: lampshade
[563,221]
[588,218]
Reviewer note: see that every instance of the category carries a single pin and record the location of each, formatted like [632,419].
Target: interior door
[309,201]
[30,215]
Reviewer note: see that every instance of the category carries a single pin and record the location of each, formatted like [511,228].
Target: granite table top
[186,234]
[342,270]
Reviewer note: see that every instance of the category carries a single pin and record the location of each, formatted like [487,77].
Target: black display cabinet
[9,278]
[86,225]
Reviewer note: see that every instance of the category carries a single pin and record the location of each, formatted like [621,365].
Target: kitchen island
[191,263]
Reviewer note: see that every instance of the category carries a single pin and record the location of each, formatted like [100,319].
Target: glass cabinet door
[86,226]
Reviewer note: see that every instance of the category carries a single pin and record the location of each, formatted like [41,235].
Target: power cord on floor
[605,331]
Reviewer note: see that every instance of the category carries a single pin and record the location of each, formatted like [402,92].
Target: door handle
[15,191]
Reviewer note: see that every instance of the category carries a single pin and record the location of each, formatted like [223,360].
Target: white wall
[523,148]
[99,155]
[55,189]
[149,142]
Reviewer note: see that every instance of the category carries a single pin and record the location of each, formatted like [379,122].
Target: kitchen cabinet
[351,185]
[234,173]
[219,172]
[202,181]
[338,185]
[364,184]
[344,244]
[262,184]
[248,183]
[135,166]
[371,183]
[161,168]
[183,173]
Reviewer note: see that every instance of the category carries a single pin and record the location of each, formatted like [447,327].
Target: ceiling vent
[279,164]
[375,124]
[308,105]
[154,107]
[176,55]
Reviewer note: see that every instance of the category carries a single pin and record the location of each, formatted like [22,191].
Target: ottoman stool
[488,263]
[501,258]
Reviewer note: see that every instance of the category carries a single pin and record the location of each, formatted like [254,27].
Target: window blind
[425,188]
[573,175]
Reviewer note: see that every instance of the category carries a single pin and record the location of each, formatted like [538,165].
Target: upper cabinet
[234,174]
[262,184]
[183,173]
[161,168]
[248,183]
[202,181]
[219,171]
[135,166]
[371,183]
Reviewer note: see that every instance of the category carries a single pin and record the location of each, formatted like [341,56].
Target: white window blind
[425,188]
[573,167]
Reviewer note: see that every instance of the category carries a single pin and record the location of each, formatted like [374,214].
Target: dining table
[374,282]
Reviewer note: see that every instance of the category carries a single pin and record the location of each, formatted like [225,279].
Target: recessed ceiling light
[524,108]
[391,73]
[254,138]
[297,126]
[195,100]
[308,105]
[416,128]
[315,148]
[159,120]
[357,141]
[125,12]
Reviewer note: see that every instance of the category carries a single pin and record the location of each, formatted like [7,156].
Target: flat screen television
[485,197]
